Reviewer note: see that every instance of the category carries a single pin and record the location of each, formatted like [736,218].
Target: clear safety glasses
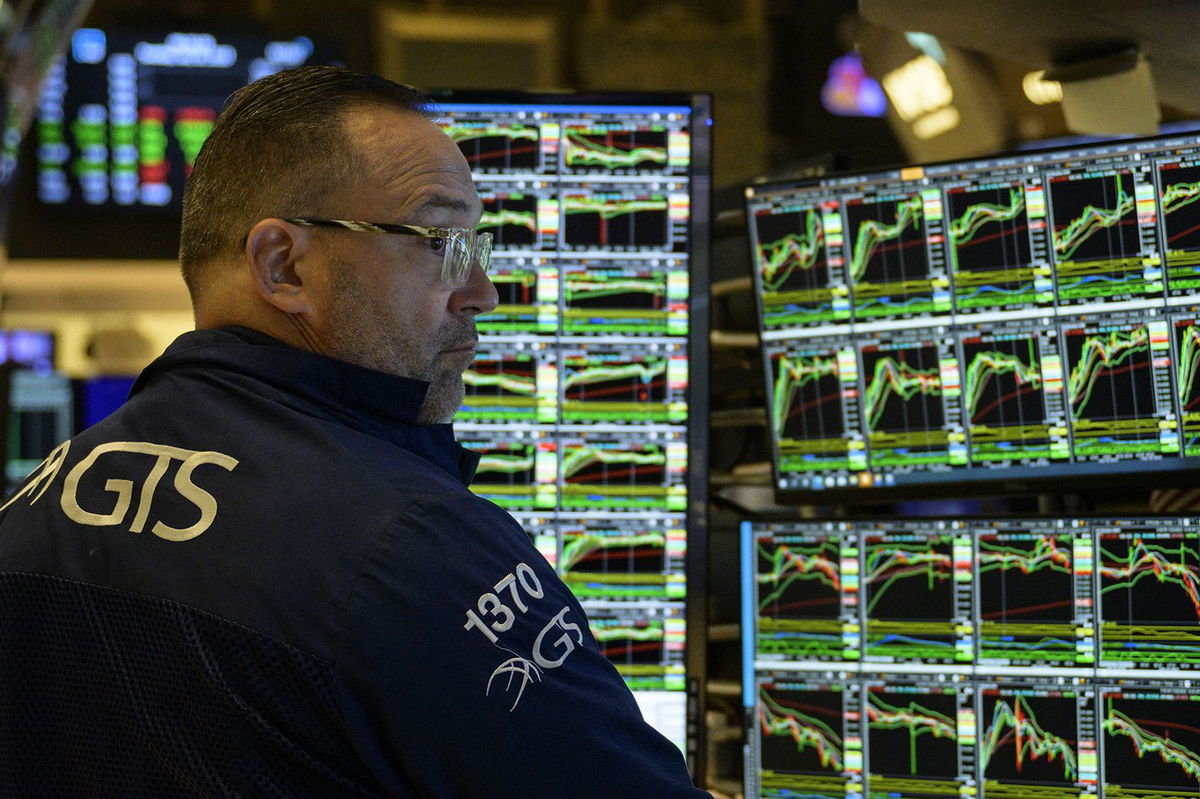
[459,246]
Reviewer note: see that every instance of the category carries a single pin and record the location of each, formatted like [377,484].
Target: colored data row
[883,736]
[1118,388]
[1059,234]
[586,468]
[543,381]
[574,144]
[542,215]
[1115,594]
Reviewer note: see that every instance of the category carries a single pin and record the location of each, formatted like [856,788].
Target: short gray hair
[278,149]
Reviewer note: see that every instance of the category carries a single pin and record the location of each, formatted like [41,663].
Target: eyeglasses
[459,246]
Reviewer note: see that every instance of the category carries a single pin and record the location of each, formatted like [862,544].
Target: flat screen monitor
[39,415]
[998,324]
[1001,657]
[587,400]
[121,117]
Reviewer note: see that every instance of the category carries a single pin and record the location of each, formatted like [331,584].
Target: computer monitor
[587,399]
[1010,323]
[1014,657]
[120,120]
[38,416]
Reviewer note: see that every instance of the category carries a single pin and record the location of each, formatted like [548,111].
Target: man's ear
[276,252]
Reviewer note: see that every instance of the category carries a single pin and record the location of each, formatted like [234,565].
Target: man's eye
[437,243]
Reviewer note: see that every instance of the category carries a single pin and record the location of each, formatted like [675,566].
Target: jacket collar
[376,403]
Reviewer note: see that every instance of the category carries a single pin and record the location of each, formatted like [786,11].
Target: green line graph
[608,208]
[779,259]
[871,233]
[1047,553]
[1189,368]
[1092,219]
[614,629]
[886,564]
[1029,740]
[991,364]
[575,459]
[1117,724]
[580,547]
[974,217]
[791,375]
[806,730]
[505,464]
[644,371]
[1177,195]
[796,563]
[1176,564]
[918,720]
[581,151]
[526,385]
[518,277]
[1102,353]
[504,216]
[589,288]
[513,132]
[893,376]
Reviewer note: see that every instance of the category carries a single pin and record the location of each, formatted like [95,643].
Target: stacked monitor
[984,324]
[1022,657]
[583,398]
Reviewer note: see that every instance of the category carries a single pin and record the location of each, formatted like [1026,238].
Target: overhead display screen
[589,374]
[987,324]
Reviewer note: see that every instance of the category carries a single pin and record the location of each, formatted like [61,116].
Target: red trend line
[587,478]
[1182,233]
[813,710]
[1123,369]
[1126,220]
[529,148]
[796,410]
[641,389]
[1150,724]
[1027,609]
[991,236]
[806,603]
[1022,390]
[896,245]
[603,554]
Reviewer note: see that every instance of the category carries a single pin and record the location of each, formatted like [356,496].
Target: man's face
[388,308]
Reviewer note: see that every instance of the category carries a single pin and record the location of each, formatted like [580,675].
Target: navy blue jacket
[260,577]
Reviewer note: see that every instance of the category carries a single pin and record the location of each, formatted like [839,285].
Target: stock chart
[1017,657]
[578,400]
[1008,319]
[1179,182]
[1012,409]
[989,247]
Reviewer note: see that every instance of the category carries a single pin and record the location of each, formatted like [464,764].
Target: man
[264,575]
